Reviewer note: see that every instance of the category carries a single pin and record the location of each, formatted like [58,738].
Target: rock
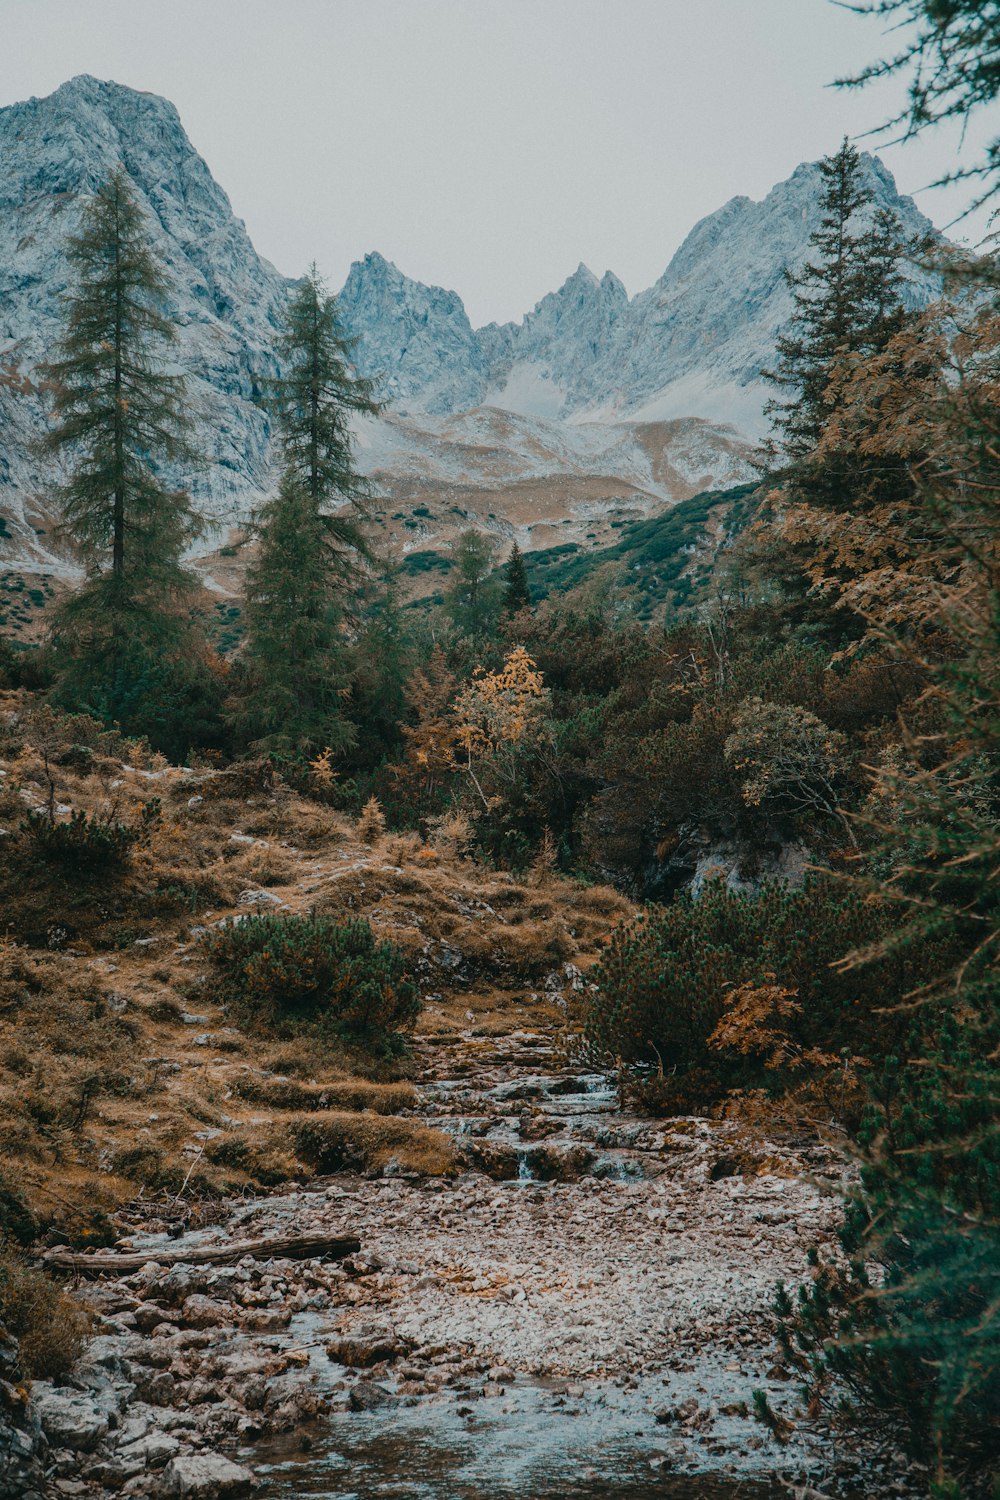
[157,1388]
[205,1312]
[258,898]
[69,1419]
[148,1316]
[268,1320]
[549,1164]
[205,1476]
[8,1356]
[361,1350]
[367,1396]
[21,1452]
[502,1163]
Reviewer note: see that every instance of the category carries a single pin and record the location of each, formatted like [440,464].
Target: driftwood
[317,1245]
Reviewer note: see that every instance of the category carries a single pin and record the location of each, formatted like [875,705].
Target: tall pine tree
[124,640]
[847,303]
[384,654]
[312,543]
[472,599]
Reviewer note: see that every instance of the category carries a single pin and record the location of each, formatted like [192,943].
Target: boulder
[367,1396]
[151,1451]
[205,1476]
[69,1419]
[206,1312]
[366,1347]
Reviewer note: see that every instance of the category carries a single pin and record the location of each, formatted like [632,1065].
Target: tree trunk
[118,551]
[318,1245]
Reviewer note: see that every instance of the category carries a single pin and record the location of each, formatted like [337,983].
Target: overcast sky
[485,145]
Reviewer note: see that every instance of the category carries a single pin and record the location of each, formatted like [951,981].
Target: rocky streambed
[584,1311]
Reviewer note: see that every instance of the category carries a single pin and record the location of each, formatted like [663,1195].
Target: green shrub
[664,981]
[17,1223]
[84,845]
[285,974]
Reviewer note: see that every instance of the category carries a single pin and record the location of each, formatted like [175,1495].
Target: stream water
[593,1254]
[432,1463]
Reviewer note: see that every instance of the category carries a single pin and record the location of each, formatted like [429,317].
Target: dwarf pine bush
[287,974]
[667,978]
[86,845]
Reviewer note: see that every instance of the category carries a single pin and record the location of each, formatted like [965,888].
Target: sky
[490,145]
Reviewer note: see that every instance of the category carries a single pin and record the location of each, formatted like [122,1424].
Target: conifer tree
[120,420]
[846,303]
[294,673]
[473,597]
[313,401]
[516,595]
[949,52]
[919,1338]
[383,659]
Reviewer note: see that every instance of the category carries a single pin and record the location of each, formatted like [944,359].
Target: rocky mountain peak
[415,341]
[692,346]
[54,151]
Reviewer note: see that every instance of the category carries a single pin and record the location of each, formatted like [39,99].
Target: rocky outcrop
[693,345]
[415,341]
[554,360]
[22,1443]
[53,153]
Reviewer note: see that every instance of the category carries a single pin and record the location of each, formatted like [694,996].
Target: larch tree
[294,674]
[120,422]
[949,51]
[908,1322]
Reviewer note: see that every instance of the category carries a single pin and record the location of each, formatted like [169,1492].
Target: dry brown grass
[370,1143]
[118,1077]
[50,1327]
[352,1094]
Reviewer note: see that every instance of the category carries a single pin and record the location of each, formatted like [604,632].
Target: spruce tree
[516,594]
[292,678]
[120,420]
[472,600]
[846,303]
[383,658]
[294,675]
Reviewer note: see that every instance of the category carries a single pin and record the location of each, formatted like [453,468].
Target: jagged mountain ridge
[595,408]
[693,344]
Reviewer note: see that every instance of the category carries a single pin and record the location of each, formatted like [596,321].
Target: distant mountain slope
[415,340]
[591,412]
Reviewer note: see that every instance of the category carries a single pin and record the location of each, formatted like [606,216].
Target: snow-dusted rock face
[694,344]
[553,361]
[53,153]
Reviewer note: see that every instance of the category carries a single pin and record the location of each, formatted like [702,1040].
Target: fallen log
[318,1245]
